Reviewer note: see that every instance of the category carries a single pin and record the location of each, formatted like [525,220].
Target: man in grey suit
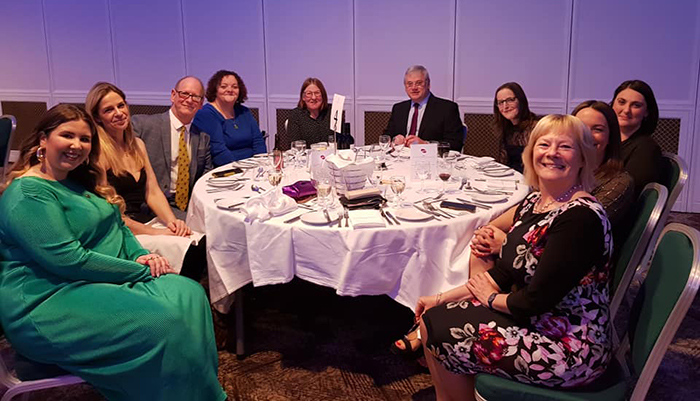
[161,134]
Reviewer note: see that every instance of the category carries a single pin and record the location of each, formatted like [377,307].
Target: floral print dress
[555,267]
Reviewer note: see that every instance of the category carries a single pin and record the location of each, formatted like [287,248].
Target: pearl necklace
[561,198]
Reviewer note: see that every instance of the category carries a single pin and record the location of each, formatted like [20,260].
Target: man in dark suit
[424,117]
[161,134]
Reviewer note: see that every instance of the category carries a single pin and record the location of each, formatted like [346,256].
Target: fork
[346,214]
[433,209]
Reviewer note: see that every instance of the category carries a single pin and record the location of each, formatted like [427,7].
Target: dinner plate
[498,173]
[411,214]
[488,198]
[318,219]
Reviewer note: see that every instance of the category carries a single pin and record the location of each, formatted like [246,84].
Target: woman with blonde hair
[523,318]
[76,288]
[125,160]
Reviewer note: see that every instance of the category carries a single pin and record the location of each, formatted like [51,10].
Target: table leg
[240,332]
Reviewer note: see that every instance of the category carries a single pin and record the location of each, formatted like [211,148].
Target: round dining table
[405,259]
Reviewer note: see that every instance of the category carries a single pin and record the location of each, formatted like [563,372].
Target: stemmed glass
[398,185]
[299,149]
[398,147]
[274,177]
[324,185]
[384,144]
[444,172]
[423,172]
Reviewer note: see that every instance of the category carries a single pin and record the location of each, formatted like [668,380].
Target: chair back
[662,301]
[674,174]
[8,126]
[645,215]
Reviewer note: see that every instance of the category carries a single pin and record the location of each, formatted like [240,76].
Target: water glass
[398,185]
[423,172]
[384,144]
[299,149]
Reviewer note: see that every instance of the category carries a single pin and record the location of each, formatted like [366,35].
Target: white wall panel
[655,41]
[511,40]
[392,35]
[149,45]
[23,65]
[308,38]
[224,34]
[80,46]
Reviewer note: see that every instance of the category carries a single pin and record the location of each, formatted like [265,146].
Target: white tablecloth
[403,261]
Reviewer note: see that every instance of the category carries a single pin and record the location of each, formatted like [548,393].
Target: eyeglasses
[417,84]
[310,95]
[507,101]
[186,95]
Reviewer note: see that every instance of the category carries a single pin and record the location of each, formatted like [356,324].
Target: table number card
[424,153]
[337,113]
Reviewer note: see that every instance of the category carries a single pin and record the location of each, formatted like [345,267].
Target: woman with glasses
[125,160]
[232,128]
[310,120]
[513,122]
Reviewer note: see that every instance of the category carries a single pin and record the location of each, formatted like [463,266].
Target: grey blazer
[154,130]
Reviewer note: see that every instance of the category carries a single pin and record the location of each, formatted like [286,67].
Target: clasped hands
[480,287]
[159,265]
[408,140]
[487,241]
[179,228]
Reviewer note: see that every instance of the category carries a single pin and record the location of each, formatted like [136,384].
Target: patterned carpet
[305,343]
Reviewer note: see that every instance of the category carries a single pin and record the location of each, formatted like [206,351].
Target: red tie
[414,120]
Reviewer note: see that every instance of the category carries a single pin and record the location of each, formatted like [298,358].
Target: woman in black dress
[637,112]
[310,120]
[513,122]
[540,313]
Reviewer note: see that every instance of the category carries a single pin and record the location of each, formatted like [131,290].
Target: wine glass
[443,149]
[324,185]
[376,154]
[384,144]
[423,172]
[398,185]
[398,147]
[274,177]
[299,148]
[444,172]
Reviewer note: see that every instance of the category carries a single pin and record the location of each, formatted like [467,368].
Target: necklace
[561,198]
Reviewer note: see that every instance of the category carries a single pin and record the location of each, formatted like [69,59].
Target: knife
[428,212]
[381,211]
[474,203]
[328,216]
[393,218]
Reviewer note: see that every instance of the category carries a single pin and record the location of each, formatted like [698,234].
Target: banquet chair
[30,376]
[645,214]
[8,125]
[674,174]
[657,312]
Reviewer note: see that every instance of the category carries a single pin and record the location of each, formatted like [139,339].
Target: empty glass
[423,172]
[384,144]
[299,149]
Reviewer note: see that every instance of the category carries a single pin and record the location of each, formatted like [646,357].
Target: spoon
[257,188]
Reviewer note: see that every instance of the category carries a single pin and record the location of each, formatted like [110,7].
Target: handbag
[300,190]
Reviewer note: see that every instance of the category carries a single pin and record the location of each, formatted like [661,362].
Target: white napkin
[366,218]
[257,207]
[345,158]
[480,161]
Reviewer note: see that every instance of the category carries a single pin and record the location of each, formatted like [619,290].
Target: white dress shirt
[421,111]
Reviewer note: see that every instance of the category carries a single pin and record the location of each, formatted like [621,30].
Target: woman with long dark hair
[513,122]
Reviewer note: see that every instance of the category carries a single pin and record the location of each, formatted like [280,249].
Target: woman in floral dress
[540,314]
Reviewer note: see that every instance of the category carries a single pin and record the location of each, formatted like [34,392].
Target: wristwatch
[491,298]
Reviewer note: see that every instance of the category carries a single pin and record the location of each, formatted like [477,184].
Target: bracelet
[437,298]
[492,297]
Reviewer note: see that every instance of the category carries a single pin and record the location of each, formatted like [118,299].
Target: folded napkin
[366,219]
[346,157]
[362,193]
[299,190]
[258,207]
[371,202]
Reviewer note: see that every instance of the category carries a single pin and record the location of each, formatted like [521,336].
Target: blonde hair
[111,158]
[90,175]
[559,124]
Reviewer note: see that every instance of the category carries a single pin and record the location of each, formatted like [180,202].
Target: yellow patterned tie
[182,187]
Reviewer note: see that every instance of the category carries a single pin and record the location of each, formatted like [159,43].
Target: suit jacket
[154,130]
[441,122]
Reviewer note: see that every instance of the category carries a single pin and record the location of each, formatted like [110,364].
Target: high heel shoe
[407,352]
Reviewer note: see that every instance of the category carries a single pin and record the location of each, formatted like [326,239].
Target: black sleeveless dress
[134,194]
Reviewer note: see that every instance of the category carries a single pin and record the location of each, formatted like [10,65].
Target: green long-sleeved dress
[72,295]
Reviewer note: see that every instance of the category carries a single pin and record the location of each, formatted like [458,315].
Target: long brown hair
[112,159]
[324,95]
[612,158]
[526,118]
[90,175]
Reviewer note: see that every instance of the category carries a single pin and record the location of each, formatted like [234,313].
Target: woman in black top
[637,112]
[310,120]
[513,122]
[540,314]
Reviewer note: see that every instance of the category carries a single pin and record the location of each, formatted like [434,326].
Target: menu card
[337,113]
[424,153]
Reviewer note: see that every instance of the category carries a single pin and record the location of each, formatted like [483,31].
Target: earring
[40,153]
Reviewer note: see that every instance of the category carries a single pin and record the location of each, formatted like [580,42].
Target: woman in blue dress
[234,133]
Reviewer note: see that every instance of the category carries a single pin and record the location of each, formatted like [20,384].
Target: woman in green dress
[76,288]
